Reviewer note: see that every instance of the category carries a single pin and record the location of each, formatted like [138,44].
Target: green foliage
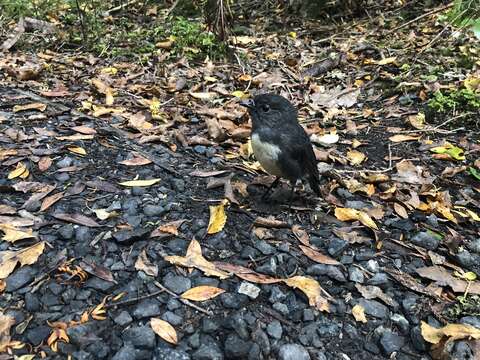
[465,12]
[468,305]
[464,99]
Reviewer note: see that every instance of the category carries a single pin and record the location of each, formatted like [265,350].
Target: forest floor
[115,175]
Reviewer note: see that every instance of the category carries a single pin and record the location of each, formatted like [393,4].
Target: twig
[436,128]
[134,300]
[434,11]
[185,301]
[117,8]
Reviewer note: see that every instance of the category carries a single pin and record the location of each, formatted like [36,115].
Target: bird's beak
[248,103]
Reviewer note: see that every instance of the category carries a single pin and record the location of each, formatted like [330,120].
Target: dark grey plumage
[279,142]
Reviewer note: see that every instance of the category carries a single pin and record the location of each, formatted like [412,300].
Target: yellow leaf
[77,150]
[33,106]
[218,218]
[11,234]
[103,214]
[26,256]
[109,70]
[451,331]
[164,330]
[19,171]
[202,293]
[104,89]
[203,95]
[417,121]
[292,34]
[346,214]
[401,138]
[452,151]
[133,183]
[358,313]
[355,157]
[240,94]
[311,288]
[194,259]
[387,61]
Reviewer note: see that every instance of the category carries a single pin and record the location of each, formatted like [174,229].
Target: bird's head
[270,110]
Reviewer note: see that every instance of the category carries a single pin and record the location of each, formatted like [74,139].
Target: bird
[280,143]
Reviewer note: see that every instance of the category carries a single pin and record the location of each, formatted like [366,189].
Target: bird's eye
[265,108]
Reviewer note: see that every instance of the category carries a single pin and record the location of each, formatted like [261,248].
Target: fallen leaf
[133,183]
[454,152]
[145,265]
[417,121]
[164,330]
[401,138]
[443,277]
[400,210]
[202,293]
[347,214]
[301,235]
[218,218]
[167,229]
[12,234]
[246,273]
[449,172]
[355,157]
[358,313]
[82,129]
[33,106]
[77,150]
[374,292]
[311,288]
[203,95]
[318,256]
[77,219]
[103,214]
[270,222]
[451,331]
[44,163]
[19,171]
[325,140]
[50,200]
[408,173]
[104,89]
[136,161]
[26,256]
[195,259]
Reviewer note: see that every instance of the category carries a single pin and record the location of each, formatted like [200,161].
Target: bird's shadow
[278,201]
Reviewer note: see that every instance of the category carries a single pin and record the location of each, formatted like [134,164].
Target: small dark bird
[280,143]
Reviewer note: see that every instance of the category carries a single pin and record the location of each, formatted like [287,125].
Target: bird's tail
[314,182]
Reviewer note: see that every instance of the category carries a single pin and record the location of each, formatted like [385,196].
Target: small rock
[356,275]
[337,247]
[83,234]
[20,278]
[274,329]
[426,239]
[234,301]
[128,237]
[31,302]
[200,149]
[140,337]
[390,342]
[99,284]
[293,352]
[333,272]
[417,339]
[372,266]
[123,318]
[276,295]
[281,308]
[471,320]
[83,334]
[65,162]
[465,258]
[127,352]
[209,351]
[169,354]
[172,318]
[178,185]
[66,232]
[153,210]
[264,247]
[38,334]
[374,308]
[401,322]
[62,177]
[474,246]
[176,283]
[236,348]
[378,279]
[209,325]
[249,289]
[308,315]
[147,308]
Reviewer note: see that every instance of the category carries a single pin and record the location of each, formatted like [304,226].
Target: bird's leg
[272,185]
[291,195]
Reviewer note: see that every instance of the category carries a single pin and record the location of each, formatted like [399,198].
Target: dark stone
[417,339]
[38,334]
[374,308]
[390,342]
[20,278]
[176,283]
[426,239]
[262,341]
[234,301]
[100,284]
[209,351]
[172,318]
[66,232]
[209,325]
[123,318]
[337,247]
[31,302]
[356,275]
[378,279]
[274,329]
[128,237]
[169,354]
[153,210]
[127,352]
[236,348]
[83,234]
[333,272]
[83,334]
[147,308]
[264,247]
[140,337]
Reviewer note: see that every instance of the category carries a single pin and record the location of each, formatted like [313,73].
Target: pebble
[140,337]
[233,301]
[293,352]
[374,308]
[172,318]
[378,279]
[208,351]
[20,278]
[176,283]
[426,239]
[390,342]
[128,237]
[65,162]
[333,272]
[337,247]
[474,246]
[123,318]
[153,210]
[209,325]
[308,315]
[356,275]
[236,348]
[281,308]
[147,308]
[274,329]
[249,289]
[66,232]
[38,334]
[127,352]
[99,284]
[168,354]
[264,247]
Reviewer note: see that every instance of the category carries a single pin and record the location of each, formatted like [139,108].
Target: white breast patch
[267,154]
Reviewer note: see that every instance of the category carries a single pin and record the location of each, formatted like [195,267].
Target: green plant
[465,99]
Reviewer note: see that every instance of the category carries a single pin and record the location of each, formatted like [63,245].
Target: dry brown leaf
[167,229]
[203,95]
[355,157]
[104,89]
[301,235]
[27,256]
[164,330]
[145,265]
[312,289]
[77,219]
[347,214]
[50,200]
[318,256]
[218,218]
[82,129]
[374,292]
[136,161]
[408,173]
[140,183]
[401,138]
[400,210]
[270,222]
[451,331]
[77,150]
[12,234]
[7,210]
[358,313]
[246,273]
[44,163]
[202,293]
[195,259]
[443,277]
[449,172]
[417,121]
[32,106]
